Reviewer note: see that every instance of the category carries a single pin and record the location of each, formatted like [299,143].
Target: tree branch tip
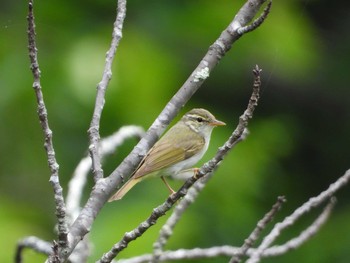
[257,22]
[269,4]
[267,9]
[257,70]
[282,199]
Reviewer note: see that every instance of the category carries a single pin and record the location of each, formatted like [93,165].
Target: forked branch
[264,250]
[94,130]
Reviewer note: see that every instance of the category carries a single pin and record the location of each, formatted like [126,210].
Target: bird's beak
[217,123]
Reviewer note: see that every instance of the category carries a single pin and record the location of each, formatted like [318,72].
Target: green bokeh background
[299,138]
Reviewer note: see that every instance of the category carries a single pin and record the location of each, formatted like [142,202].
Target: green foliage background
[299,138]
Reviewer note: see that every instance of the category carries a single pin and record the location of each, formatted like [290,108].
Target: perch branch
[94,130]
[190,197]
[215,53]
[207,168]
[42,114]
[192,194]
[197,253]
[105,187]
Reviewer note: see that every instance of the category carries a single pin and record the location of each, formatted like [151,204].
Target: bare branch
[34,243]
[82,251]
[257,22]
[213,252]
[304,235]
[94,130]
[253,237]
[207,168]
[268,252]
[108,146]
[42,114]
[299,212]
[181,254]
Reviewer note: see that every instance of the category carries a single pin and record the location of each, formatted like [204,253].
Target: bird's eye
[199,119]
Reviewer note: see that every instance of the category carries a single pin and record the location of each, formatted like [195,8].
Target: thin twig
[297,214]
[305,235]
[269,252]
[105,187]
[183,254]
[108,145]
[207,168]
[42,114]
[257,22]
[253,237]
[94,130]
[213,252]
[34,243]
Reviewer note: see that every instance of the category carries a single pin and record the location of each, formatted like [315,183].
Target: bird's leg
[185,175]
[167,185]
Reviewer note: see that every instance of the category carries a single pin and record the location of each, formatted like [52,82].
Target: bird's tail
[124,189]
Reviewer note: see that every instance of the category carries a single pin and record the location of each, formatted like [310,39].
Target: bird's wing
[164,154]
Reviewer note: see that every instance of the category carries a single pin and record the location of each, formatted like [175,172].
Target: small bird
[181,147]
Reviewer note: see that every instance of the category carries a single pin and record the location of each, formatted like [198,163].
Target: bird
[181,147]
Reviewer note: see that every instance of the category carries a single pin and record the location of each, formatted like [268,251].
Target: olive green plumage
[181,147]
